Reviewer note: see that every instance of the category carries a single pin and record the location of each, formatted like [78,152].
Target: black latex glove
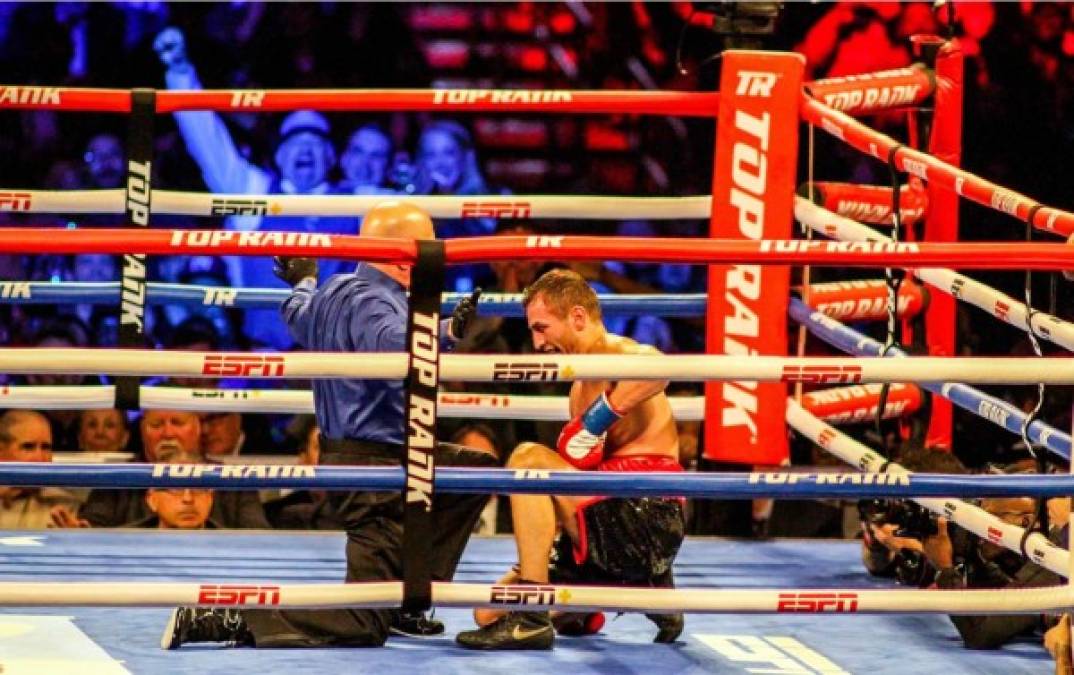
[464,313]
[294,270]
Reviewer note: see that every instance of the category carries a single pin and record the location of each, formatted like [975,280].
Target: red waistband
[627,463]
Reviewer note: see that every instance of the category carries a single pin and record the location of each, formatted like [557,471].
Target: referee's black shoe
[415,624]
[196,624]
[514,630]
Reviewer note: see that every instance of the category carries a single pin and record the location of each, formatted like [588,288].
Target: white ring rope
[451,404]
[539,368]
[466,595]
[973,518]
[168,202]
[999,305]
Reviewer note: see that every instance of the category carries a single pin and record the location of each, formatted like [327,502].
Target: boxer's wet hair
[561,290]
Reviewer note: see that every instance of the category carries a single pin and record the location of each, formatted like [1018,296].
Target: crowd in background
[1018,132]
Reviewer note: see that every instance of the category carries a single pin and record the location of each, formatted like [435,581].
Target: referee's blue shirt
[365,311]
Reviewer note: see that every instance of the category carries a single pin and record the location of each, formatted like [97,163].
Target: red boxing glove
[582,440]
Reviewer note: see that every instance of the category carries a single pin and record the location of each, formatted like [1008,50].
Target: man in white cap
[304,157]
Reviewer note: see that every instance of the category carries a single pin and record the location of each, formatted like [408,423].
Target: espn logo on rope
[995,535]
[821,374]
[825,437]
[230,595]
[815,603]
[1001,310]
[238,207]
[227,365]
[524,371]
[523,595]
[495,210]
[15,201]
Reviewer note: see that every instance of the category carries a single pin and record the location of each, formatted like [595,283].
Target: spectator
[178,509]
[196,334]
[447,165]
[364,162]
[102,430]
[303,509]
[304,156]
[59,333]
[94,268]
[104,163]
[25,436]
[226,329]
[170,436]
[221,434]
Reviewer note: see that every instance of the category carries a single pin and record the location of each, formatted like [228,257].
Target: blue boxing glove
[581,442]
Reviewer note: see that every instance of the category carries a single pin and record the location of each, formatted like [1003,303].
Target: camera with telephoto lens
[913,520]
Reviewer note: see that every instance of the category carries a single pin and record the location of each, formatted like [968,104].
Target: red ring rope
[683,104]
[991,255]
[927,167]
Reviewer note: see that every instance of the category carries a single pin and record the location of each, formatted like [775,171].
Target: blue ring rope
[491,304]
[480,481]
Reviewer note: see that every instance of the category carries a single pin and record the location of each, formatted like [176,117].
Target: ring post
[752,198]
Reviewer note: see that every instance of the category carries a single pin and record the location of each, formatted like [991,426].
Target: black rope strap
[419,457]
[893,278]
[137,209]
[1040,516]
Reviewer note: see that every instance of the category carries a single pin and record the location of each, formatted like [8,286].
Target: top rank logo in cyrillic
[29,95]
[518,97]
[216,238]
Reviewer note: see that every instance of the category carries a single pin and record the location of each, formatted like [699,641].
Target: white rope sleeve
[452,404]
[544,368]
[390,594]
[438,206]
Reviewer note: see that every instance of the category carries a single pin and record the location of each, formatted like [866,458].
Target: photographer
[901,539]
[893,529]
[987,565]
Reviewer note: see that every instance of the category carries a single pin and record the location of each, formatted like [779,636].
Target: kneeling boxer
[621,426]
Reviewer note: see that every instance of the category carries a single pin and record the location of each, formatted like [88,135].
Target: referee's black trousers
[374,525]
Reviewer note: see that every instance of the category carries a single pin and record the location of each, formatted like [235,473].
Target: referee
[362,423]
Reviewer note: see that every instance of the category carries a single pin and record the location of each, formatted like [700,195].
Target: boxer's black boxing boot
[514,630]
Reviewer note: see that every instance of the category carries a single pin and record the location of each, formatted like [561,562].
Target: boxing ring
[744,599]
